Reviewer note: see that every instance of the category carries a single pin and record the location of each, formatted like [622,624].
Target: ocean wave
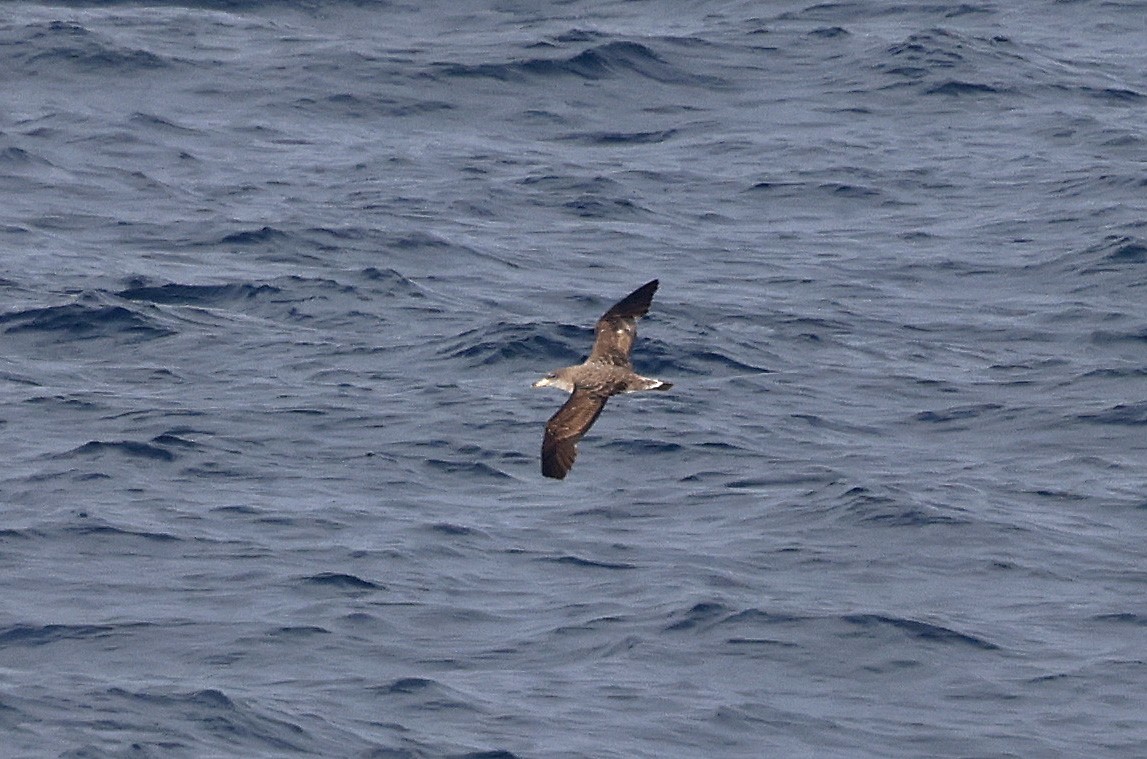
[1128,251]
[712,617]
[892,508]
[341,581]
[621,139]
[507,341]
[953,64]
[197,295]
[701,614]
[41,635]
[467,468]
[14,159]
[88,526]
[129,448]
[230,722]
[612,59]
[578,561]
[958,413]
[429,695]
[450,529]
[1117,251]
[358,106]
[263,236]
[923,631]
[1129,414]
[957,88]
[80,320]
[58,45]
[1113,337]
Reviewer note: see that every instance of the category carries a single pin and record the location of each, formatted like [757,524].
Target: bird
[605,373]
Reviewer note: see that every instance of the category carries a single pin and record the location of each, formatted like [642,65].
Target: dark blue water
[277,278]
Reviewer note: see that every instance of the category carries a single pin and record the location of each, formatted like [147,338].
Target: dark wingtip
[636,303]
[651,285]
[553,465]
[552,469]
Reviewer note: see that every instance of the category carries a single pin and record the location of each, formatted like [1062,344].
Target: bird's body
[605,373]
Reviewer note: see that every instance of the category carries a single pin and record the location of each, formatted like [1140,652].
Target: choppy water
[276,278]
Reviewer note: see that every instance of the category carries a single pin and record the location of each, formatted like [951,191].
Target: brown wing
[616,330]
[565,428]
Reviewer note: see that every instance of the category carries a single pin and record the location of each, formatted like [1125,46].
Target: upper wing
[565,428]
[617,329]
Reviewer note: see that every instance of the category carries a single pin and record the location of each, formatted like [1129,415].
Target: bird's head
[557,378]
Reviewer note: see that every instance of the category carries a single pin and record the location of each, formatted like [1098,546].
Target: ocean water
[276,278]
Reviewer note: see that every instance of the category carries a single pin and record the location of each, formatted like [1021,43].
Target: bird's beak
[543,382]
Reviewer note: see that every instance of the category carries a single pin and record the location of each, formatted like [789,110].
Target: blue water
[277,278]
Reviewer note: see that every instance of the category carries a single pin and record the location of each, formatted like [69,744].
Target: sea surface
[276,277]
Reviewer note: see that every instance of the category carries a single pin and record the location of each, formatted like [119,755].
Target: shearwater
[605,373]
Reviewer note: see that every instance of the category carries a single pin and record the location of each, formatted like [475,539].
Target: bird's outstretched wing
[565,428]
[617,329]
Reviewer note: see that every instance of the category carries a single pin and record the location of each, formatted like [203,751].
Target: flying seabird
[606,372]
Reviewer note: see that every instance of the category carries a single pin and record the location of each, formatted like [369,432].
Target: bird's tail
[648,383]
